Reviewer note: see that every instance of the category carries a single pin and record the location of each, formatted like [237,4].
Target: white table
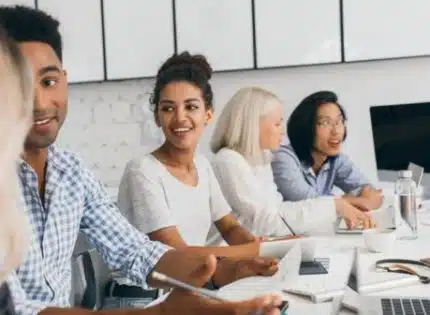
[304,306]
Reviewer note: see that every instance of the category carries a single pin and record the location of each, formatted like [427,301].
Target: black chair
[6,303]
[84,282]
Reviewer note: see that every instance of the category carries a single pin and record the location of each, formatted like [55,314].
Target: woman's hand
[353,216]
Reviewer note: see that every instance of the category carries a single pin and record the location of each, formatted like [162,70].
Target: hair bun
[184,60]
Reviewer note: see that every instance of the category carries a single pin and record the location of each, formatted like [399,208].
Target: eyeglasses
[327,123]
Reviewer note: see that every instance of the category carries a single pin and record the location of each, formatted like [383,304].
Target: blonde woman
[15,84]
[249,128]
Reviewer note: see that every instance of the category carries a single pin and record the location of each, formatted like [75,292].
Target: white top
[151,198]
[252,193]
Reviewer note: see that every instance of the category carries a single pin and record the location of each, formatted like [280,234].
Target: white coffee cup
[379,240]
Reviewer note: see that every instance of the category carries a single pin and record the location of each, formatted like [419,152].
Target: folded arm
[359,191]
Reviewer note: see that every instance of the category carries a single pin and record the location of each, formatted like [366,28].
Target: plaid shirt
[74,201]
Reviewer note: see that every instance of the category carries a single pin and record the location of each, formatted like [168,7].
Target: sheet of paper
[287,274]
[278,249]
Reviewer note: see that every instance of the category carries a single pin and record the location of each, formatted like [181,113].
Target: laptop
[380,305]
[417,173]
[374,305]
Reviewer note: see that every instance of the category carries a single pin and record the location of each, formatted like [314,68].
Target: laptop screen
[417,173]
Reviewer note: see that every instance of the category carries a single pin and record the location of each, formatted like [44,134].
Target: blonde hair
[16,99]
[238,126]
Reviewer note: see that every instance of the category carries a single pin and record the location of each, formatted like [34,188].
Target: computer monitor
[401,134]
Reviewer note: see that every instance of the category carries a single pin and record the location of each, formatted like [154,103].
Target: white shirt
[152,198]
[253,196]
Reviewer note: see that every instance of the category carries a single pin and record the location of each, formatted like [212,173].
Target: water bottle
[406,209]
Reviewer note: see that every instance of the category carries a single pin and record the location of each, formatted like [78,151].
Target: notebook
[370,280]
[325,287]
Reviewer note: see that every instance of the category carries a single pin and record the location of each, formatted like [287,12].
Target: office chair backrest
[90,275]
[84,288]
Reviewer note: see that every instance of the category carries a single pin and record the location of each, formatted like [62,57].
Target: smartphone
[284,307]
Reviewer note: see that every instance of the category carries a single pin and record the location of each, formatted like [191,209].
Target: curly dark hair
[301,126]
[194,69]
[25,24]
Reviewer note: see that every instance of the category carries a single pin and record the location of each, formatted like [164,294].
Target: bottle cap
[405,174]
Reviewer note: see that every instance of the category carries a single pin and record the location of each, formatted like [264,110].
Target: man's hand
[195,270]
[182,302]
[232,269]
[182,265]
[185,303]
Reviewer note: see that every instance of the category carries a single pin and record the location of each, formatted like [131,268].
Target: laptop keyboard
[405,306]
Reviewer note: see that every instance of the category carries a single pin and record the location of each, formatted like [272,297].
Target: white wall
[109,123]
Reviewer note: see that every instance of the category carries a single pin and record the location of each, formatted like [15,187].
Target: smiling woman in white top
[250,126]
[172,194]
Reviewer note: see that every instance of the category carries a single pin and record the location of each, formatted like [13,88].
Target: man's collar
[55,159]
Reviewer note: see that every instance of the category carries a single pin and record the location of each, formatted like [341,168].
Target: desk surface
[327,244]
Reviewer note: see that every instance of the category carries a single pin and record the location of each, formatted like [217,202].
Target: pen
[288,226]
[182,285]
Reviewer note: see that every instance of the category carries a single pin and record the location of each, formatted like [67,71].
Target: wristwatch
[211,285]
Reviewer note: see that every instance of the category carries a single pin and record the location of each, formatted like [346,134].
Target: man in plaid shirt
[63,198]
